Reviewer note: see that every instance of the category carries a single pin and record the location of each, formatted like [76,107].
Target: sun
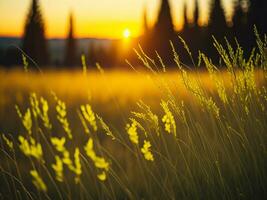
[126,33]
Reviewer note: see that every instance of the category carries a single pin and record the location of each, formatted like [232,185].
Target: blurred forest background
[66,53]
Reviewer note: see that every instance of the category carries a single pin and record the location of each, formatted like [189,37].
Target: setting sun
[126,33]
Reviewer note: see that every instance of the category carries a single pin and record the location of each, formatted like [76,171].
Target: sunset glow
[99,19]
[126,33]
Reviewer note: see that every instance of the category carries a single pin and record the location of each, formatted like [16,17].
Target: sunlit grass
[138,134]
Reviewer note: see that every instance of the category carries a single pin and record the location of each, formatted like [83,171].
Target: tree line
[154,40]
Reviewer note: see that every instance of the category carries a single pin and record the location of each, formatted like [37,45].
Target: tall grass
[209,145]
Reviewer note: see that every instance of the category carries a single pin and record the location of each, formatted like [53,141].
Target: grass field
[149,134]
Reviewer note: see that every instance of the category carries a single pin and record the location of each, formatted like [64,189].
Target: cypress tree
[163,31]
[164,25]
[217,21]
[196,14]
[34,41]
[70,54]
[240,23]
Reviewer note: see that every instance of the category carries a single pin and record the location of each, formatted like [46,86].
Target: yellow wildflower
[146,151]
[58,168]
[99,162]
[89,115]
[37,181]
[62,116]
[26,119]
[132,132]
[78,167]
[89,149]
[168,119]
[44,114]
[66,160]
[102,176]
[34,104]
[31,148]
[59,143]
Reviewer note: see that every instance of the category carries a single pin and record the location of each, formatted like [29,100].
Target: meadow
[149,133]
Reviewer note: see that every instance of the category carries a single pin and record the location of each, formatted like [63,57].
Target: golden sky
[94,18]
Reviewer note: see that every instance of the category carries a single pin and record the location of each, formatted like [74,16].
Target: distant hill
[56,46]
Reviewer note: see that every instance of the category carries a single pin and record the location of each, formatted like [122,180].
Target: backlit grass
[131,135]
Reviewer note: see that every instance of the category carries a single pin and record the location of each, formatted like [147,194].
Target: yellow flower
[102,176]
[44,114]
[132,132]
[37,112]
[66,160]
[59,143]
[146,151]
[99,162]
[58,168]
[89,149]
[89,115]
[31,148]
[62,116]
[26,119]
[78,166]
[168,119]
[37,181]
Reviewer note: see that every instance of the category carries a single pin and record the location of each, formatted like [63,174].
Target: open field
[150,134]
[113,94]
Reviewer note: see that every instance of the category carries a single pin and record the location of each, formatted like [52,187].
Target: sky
[96,18]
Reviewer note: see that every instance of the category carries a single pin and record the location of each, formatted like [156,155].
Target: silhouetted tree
[186,23]
[34,41]
[240,25]
[163,31]
[217,27]
[191,34]
[71,54]
[164,24]
[217,21]
[196,14]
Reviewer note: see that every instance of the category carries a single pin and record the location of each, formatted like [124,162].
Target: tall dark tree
[163,31]
[240,24]
[191,34]
[217,27]
[34,41]
[196,14]
[217,20]
[186,23]
[164,24]
[240,16]
[71,54]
